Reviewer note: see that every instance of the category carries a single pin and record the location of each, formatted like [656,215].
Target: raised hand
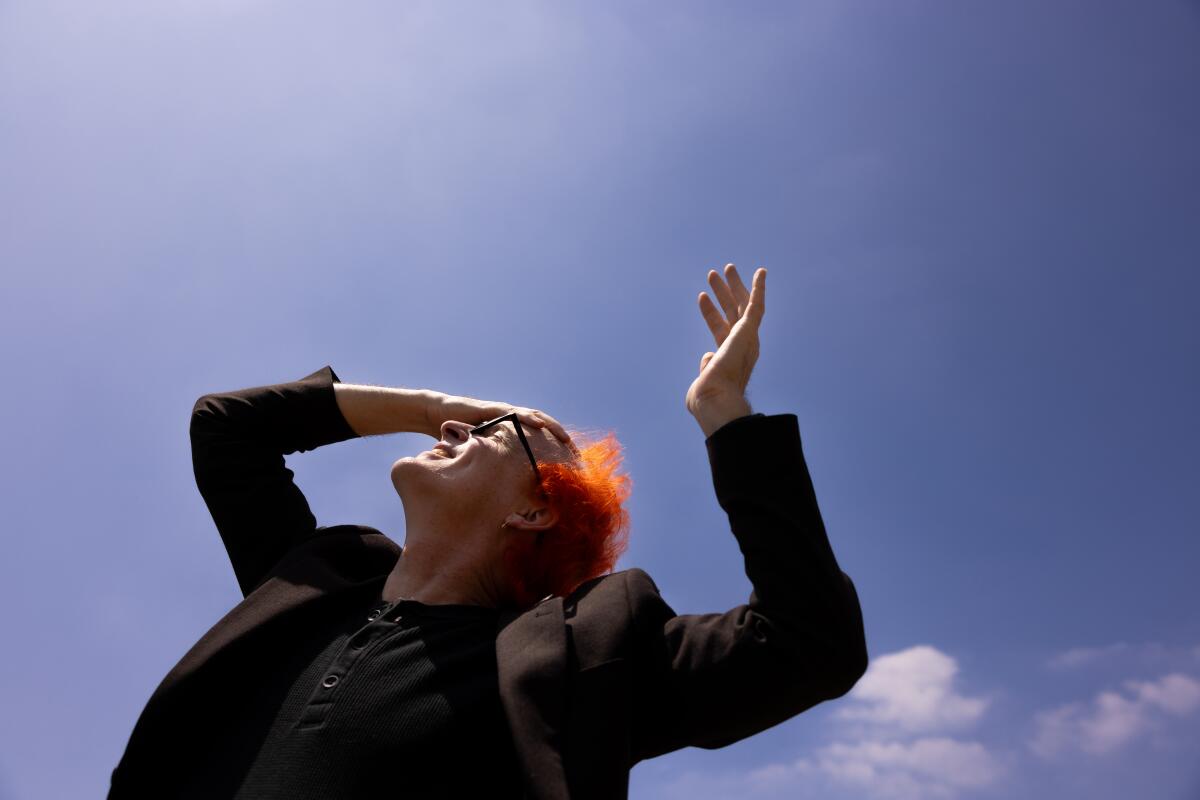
[473,411]
[725,373]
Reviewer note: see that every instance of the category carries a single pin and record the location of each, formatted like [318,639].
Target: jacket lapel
[531,658]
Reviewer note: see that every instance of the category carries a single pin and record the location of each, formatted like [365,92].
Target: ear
[536,519]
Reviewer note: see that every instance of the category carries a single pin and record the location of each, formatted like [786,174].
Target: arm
[713,679]
[709,680]
[372,410]
[238,441]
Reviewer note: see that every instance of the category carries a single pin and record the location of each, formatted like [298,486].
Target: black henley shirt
[400,697]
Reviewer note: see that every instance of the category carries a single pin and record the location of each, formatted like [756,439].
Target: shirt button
[330,681]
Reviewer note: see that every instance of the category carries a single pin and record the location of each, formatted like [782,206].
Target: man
[354,667]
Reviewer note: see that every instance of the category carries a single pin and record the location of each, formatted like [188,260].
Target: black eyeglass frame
[520,434]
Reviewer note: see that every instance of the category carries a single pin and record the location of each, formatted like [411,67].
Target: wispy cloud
[1113,719]
[927,767]
[1176,694]
[1079,656]
[1146,653]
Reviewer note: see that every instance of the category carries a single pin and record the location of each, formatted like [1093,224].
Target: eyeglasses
[520,434]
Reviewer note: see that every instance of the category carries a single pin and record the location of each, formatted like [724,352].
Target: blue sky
[980,226]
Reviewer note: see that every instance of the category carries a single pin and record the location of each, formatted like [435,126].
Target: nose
[455,432]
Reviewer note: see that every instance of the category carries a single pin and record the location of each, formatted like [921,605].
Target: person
[496,653]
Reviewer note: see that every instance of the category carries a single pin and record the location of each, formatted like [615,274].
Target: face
[486,467]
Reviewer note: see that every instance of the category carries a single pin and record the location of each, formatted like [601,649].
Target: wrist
[714,412]
[432,402]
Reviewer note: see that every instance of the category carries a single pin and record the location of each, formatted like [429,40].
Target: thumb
[707,357]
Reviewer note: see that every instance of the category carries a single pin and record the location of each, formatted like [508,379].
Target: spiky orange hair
[592,529]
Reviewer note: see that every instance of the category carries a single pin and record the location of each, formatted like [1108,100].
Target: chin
[410,469]
[399,467]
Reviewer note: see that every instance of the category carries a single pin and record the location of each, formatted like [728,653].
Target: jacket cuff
[736,421]
[313,414]
[757,447]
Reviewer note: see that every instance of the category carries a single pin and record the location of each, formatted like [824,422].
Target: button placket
[322,699]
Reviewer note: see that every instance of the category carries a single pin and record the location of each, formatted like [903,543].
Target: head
[477,497]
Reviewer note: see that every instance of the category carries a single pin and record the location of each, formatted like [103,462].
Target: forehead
[544,443]
[547,447]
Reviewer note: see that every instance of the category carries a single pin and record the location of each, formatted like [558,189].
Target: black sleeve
[709,680]
[239,440]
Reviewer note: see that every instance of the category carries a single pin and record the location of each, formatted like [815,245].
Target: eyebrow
[494,430]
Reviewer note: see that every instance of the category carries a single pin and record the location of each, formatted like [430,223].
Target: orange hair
[592,529]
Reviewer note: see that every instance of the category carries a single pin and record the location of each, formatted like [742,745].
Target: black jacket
[592,683]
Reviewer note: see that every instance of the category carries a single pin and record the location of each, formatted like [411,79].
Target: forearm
[372,410]
[762,481]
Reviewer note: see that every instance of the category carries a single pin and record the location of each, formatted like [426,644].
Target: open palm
[726,372]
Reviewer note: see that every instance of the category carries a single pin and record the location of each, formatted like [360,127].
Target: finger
[544,420]
[557,429]
[740,293]
[529,418]
[757,302]
[725,297]
[704,359]
[716,323]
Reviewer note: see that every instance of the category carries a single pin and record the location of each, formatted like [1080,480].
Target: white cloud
[908,703]
[902,695]
[1113,719]
[901,739]
[1175,693]
[912,690]
[1055,730]
[929,767]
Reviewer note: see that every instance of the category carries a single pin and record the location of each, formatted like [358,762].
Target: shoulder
[625,582]
[638,580]
[601,618]
[629,595]
[607,601]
